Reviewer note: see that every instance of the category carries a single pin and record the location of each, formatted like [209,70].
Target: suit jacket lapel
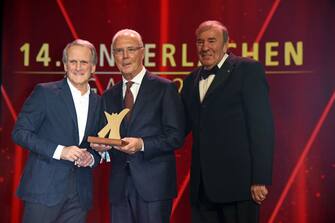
[116,105]
[66,95]
[141,96]
[92,106]
[118,100]
[196,96]
[221,77]
[68,100]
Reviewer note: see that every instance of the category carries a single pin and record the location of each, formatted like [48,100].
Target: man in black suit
[143,176]
[228,111]
[53,125]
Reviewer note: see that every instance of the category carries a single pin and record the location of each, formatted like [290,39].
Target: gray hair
[206,25]
[84,43]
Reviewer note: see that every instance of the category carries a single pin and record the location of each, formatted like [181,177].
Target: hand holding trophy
[113,127]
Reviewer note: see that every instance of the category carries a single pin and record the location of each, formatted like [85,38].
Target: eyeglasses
[130,50]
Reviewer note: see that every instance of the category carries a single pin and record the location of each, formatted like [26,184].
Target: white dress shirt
[137,81]
[81,103]
[205,83]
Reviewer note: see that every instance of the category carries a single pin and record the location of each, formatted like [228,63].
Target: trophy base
[106,141]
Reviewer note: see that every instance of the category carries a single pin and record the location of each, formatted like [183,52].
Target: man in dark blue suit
[143,177]
[53,125]
[228,111]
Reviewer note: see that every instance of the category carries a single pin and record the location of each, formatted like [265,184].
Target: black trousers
[206,211]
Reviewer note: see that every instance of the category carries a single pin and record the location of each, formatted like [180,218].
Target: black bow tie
[205,73]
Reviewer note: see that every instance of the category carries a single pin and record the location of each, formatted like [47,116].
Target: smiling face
[128,52]
[79,66]
[211,47]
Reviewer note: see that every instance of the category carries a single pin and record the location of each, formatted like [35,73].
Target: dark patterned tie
[129,98]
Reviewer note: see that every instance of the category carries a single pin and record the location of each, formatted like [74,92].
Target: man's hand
[85,160]
[100,147]
[72,153]
[134,145]
[258,193]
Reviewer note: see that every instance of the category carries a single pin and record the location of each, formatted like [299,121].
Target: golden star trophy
[113,127]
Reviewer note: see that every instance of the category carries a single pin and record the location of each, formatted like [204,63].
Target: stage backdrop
[293,39]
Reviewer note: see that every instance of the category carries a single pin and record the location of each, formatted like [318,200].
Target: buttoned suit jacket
[233,133]
[48,118]
[158,118]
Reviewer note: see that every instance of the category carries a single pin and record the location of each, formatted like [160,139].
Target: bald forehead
[128,34]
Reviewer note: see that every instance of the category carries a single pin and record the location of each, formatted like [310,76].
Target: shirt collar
[138,78]
[75,92]
[225,56]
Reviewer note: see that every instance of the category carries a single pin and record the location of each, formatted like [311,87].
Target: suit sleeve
[95,154]
[29,121]
[96,157]
[259,122]
[173,124]
[186,99]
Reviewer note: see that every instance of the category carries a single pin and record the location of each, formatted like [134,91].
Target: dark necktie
[205,73]
[128,97]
